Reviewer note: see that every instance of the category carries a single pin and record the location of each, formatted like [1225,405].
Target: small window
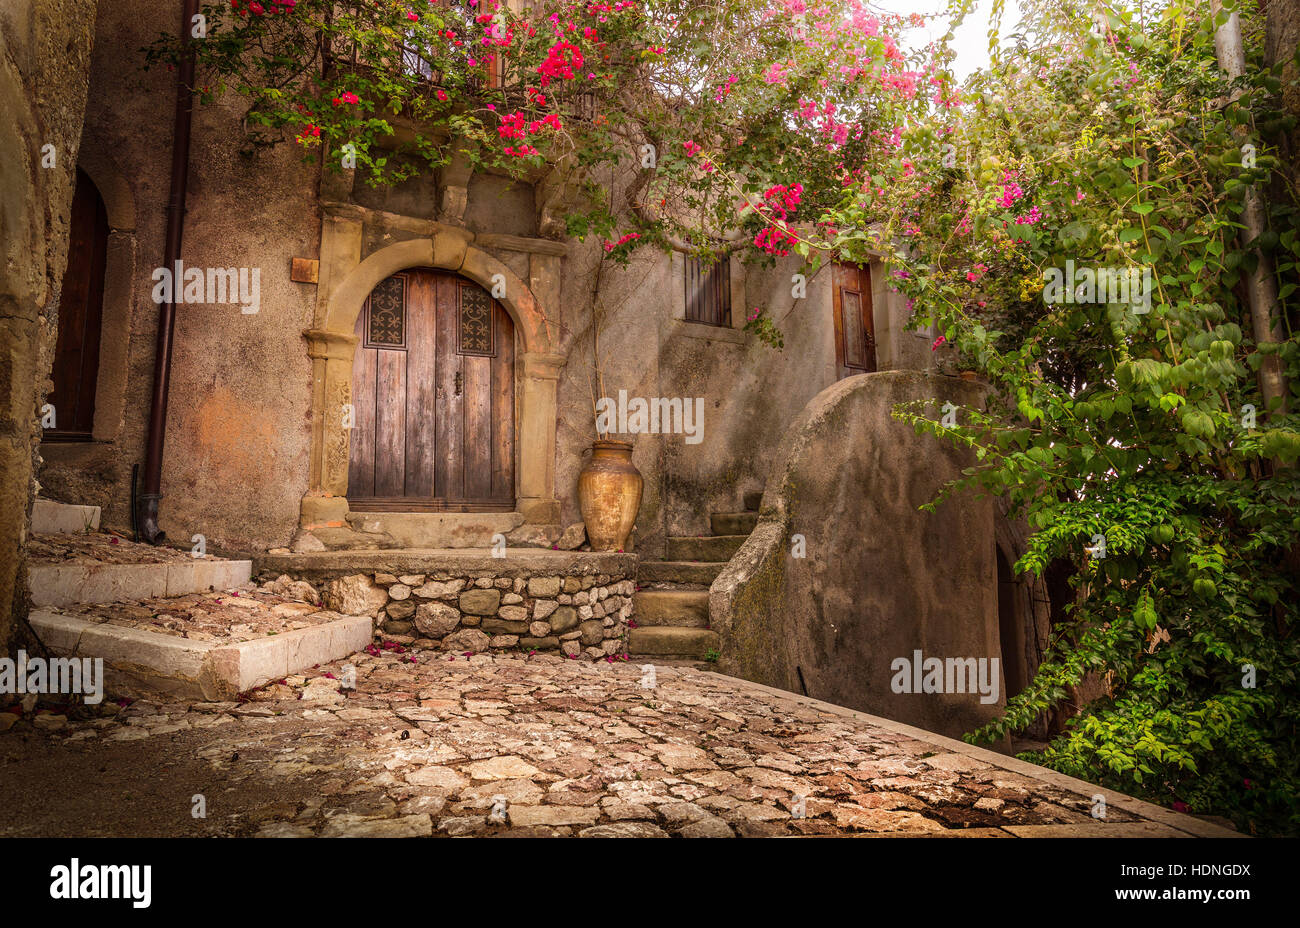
[708,292]
[386,314]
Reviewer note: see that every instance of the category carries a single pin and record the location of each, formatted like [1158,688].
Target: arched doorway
[434,398]
[81,305]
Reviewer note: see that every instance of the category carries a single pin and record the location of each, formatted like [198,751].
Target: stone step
[733,523]
[753,501]
[139,662]
[712,548]
[49,518]
[64,584]
[666,641]
[675,608]
[683,572]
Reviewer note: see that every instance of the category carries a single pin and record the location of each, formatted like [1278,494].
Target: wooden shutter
[708,292]
[855,340]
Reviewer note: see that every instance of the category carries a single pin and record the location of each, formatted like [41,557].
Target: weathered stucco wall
[751,392]
[44,58]
[235,458]
[239,437]
[880,578]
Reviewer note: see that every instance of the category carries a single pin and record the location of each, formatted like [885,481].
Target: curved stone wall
[879,579]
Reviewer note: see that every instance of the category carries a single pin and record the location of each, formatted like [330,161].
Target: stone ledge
[437,530]
[518,562]
[49,517]
[68,583]
[140,661]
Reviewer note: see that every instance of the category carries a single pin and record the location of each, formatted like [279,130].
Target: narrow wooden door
[855,334]
[81,303]
[433,394]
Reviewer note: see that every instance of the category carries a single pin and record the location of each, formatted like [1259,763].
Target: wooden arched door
[433,398]
[81,305]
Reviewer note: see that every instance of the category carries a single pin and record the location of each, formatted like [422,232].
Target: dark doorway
[1011,628]
[81,307]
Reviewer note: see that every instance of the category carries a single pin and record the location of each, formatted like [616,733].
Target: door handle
[459,381]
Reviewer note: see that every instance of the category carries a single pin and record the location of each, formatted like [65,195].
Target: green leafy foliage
[1142,423]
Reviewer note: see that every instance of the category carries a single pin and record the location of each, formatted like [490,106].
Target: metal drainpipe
[151,493]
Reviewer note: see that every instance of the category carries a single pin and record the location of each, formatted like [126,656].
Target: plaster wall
[234,464]
[237,460]
[878,579]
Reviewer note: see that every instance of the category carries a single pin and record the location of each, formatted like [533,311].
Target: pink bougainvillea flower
[631,236]
[413,17]
[938,343]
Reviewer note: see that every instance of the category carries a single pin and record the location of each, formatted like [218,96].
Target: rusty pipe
[151,492]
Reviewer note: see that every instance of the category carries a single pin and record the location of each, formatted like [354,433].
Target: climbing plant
[715,121]
[1083,247]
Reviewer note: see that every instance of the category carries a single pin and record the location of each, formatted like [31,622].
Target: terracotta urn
[609,493]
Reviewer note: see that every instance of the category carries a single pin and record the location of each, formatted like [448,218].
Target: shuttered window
[855,339]
[708,292]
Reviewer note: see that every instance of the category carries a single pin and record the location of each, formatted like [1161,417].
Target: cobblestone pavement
[429,744]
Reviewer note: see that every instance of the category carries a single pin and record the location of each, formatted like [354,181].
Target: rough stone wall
[571,608]
[44,59]
[880,579]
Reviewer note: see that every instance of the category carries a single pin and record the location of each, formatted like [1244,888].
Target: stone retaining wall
[562,605]
[845,573]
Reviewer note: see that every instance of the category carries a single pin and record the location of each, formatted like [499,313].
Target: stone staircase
[672,601]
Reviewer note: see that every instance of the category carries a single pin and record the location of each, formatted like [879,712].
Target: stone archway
[119,278]
[345,282]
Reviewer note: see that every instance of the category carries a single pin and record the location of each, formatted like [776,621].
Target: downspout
[151,493]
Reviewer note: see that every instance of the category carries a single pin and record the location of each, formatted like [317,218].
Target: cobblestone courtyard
[428,742]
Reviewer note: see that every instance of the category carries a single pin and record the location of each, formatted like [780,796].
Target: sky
[971,40]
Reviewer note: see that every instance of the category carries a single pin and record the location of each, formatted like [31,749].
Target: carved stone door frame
[346,280]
